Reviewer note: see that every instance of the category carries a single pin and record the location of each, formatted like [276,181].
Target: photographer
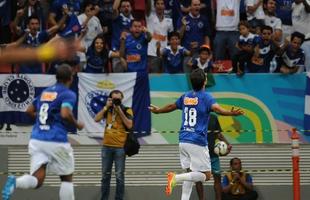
[236,184]
[118,121]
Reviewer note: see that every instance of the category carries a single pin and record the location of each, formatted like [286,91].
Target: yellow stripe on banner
[253,118]
[234,95]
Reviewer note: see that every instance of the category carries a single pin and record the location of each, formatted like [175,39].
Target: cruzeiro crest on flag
[18,91]
[95,101]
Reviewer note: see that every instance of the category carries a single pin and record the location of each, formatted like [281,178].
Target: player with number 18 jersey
[196,106]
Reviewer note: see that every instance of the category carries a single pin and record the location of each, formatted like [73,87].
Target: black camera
[116,102]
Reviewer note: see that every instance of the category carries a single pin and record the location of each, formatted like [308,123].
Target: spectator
[5,20]
[204,61]
[263,60]
[134,47]
[92,26]
[122,19]
[247,42]
[214,133]
[284,12]
[272,20]
[306,47]
[173,55]
[301,21]
[106,16]
[98,56]
[227,20]
[293,57]
[237,184]
[31,8]
[255,14]
[194,30]
[72,26]
[118,121]
[56,9]
[159,26]
[35,38]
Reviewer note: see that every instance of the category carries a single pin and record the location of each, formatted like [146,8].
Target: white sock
[66,191]
[191,176]
[187,190]
[26,182]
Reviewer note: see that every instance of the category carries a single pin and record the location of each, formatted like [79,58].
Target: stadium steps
[269,164]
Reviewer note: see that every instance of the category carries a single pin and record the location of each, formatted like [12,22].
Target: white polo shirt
[300,18]
[159,30]
[259,12]
[227,16]
[274,22]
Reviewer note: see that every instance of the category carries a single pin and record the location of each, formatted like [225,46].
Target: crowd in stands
[164,36]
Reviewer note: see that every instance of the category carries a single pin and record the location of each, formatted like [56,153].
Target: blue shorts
[215,166]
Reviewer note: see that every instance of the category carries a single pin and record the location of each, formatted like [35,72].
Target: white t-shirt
[93,29]
[159,31]
[300,18]
[227,17]
[259,12]
[274,22]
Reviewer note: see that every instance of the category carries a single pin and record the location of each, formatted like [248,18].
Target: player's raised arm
[165,109]
[233,112]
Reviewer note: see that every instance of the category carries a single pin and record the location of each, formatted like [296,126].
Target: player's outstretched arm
[165,109]
[233,112]
[53,50]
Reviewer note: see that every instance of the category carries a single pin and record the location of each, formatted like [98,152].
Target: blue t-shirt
[30,41]
[120,24]
[196,108]
[284,11]
[37,40]
[196,30]
[49,125]
[267,53]
[57,6]
[72,23]
[291,59]
[96,63]
[136,53]
[173,62]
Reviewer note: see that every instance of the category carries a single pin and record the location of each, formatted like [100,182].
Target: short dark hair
[116,92]
[87,3]
[298,35]
[32,17]
[233,159]
[198,78]
[265,27]
[174,34]
[244,23]
[64,73]
[135,20]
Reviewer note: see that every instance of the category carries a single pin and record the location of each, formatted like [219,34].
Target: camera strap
[109,126]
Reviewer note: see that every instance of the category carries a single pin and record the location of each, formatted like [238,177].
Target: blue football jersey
[196,108]
[49,125]
[136,53]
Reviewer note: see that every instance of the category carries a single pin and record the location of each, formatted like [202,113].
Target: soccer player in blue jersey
[196,106]
[49,148]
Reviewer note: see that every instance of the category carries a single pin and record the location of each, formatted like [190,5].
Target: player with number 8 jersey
[48,147]
[196,106]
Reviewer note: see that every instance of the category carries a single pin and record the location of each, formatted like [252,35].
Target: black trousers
[250,195]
